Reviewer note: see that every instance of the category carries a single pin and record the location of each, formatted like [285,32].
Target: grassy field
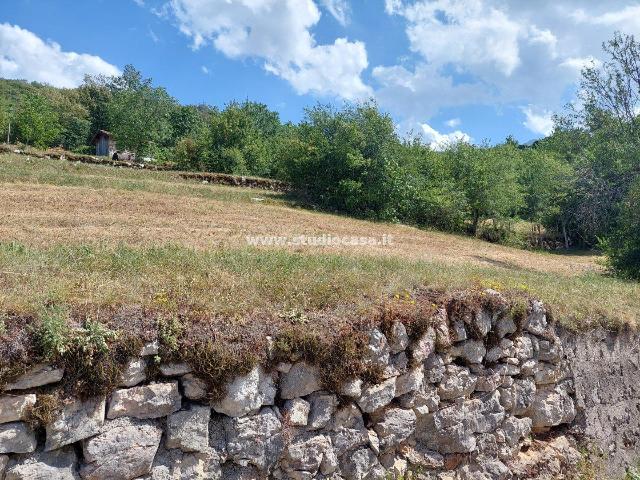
[88,235]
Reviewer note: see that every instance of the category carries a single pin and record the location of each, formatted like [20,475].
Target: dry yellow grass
[42,215]
[87,234]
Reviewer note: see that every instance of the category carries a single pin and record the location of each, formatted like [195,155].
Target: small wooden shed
[104,142]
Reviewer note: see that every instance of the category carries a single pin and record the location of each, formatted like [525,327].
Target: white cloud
[440,141]
[140,3]
[339,9]
[463,31]
[538,121]
[205,70]
[152,35]
[577,64]
[278,32]
[392,6]
[497,53]
[453,123]
[627,18]
[24,55]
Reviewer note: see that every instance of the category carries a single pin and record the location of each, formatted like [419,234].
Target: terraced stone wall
[476,396]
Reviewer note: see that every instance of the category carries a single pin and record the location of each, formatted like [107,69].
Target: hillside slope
[64,224]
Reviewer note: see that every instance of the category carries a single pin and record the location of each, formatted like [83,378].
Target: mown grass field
[82,235]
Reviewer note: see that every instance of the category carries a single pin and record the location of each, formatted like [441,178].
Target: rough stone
[551,407]
[178,465]
[485,468]
[246,394]
[376,396]
[502,350]
[506,369]
[38,376]
[124,449]
[547,373]
[149,401]
[434,368]
[452,429]
[322,407]
[378,349]
[174,369]
[255,440]
[516,429]
[14,407]
[393,426]
[481,322]
[150,349]
[218,436]
[58,465]
[17,437]
[505,326]
[410,381]
[352,388]
[134,373]
[422,401]
[536,322]
[488,382]
[550,351]
[193,387]
[310,454]
[458,332]
[77,420]
[4,460]
[457,382]
[297,412]
[188,430]
[300,381]
[374,441]
[360,464]
[347,430]
[424,346]
[472,351]
[398,339]
[524,391]
[420,456]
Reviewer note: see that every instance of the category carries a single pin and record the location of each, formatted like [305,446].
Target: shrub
[623,246]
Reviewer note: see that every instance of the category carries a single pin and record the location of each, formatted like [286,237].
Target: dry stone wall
[460,402]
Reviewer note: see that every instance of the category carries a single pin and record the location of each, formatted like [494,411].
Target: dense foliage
[576,188]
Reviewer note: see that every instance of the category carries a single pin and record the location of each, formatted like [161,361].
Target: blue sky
[445,69]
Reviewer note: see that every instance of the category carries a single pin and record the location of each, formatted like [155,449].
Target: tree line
[577,188]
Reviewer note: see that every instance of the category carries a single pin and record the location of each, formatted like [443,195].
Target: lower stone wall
[605,366]
[461,401]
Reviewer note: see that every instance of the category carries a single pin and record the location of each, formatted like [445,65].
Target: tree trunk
[564,234]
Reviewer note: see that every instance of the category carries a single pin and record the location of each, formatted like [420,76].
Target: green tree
[623,245]
[95,95]
[139,113]
[36,121]
[488,177]
[240,139]
[346,160]
[4,120]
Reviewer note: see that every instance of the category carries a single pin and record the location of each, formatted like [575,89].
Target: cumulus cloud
[537,120]
[440,141]
[278,32]
[339,9]
[453,123]
[24,55]
[463,31]
[497,53]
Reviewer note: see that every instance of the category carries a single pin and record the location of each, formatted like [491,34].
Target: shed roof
[100,133]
